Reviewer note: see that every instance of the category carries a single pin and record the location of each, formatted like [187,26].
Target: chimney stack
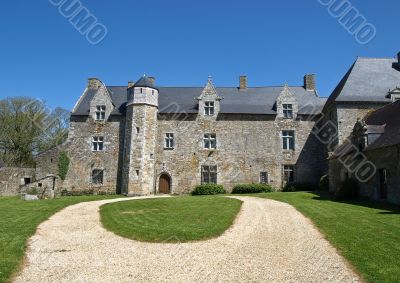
[94,83]
[309,82]
[152,80]
[243,82]
[131,84]
[398,58]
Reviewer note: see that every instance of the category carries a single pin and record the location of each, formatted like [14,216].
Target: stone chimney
[398,58]
[131,84]
[309,82]
[243,82]
[153,80]
[94,83]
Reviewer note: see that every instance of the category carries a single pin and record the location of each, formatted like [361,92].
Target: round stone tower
[140,138]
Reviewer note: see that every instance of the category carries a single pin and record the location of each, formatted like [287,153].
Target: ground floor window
[264,177]
[288,173]
[97,176]
[208,174]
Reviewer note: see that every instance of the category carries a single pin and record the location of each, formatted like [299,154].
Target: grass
[19,220]
[367,234]
[178,219]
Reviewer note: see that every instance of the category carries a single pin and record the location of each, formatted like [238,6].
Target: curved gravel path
[270,241]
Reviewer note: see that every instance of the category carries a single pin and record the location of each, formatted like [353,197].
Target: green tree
[27,127]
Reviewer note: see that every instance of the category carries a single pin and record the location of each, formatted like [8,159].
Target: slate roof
[368,80]
[389,116]
[255,100]
[145,82]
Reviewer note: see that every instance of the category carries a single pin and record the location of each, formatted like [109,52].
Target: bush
[347,190]
[252,189]
[208,189]
[324,183]
[66,193]
[297,187]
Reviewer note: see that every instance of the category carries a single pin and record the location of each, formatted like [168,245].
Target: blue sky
[181,42]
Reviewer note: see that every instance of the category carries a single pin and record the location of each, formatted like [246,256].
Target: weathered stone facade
[135,156]
[11,179]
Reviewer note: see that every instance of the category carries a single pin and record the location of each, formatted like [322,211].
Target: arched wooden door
[164,185]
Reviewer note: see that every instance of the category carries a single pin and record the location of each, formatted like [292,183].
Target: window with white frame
[169,141]
[288,173]
[287,111]
[97,143]
[97,176]
[210,141]
[209,174]
[100,112]
[209,108]
[263,177]
[288,140]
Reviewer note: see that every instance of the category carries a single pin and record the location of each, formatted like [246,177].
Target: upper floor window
[287,111]
[97,143]
[209,174]
[210,141]
[209,108]
[288,140]
[100,112]
[264,177]
[97,176]
[169,141]
[288,173]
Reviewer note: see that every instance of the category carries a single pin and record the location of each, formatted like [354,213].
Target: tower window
[169,141]
[263,177]
[287,111]
[100,113]
[97,143]
[288,173]
[210,141]
[209,108]
[288,140]
[209,174]
[97,176]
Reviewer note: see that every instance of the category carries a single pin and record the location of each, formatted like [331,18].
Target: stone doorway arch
[164,184]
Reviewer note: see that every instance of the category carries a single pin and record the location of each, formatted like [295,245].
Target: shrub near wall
[252,189]
[208,189]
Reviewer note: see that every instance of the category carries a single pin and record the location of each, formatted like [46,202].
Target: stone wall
[384,158]
[11,179]
[246,146]
[83,160]
[47,162]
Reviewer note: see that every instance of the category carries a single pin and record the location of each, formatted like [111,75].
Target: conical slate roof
[145,82]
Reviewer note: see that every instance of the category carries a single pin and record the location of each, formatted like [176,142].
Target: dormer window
[287,111]
[100,113]
[209,108]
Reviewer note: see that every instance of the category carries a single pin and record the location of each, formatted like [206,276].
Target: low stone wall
[11,179]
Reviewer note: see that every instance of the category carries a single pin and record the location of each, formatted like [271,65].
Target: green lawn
[178,219]
[18,221]
[367,234]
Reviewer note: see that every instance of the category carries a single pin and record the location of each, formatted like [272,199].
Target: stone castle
[142,139]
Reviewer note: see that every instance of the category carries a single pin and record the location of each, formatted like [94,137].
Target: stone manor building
[143,139]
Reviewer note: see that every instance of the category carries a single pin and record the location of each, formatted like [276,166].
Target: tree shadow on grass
[387,207]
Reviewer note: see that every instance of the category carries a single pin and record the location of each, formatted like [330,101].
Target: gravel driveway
[270,241]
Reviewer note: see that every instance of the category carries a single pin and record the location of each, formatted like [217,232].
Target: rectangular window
[169,141]
[97,143]
[208,174]
[264,177]
[97,176]
[210,141]
[209,108]
[288,173]
[288,140]
[100,112]
[287,111]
